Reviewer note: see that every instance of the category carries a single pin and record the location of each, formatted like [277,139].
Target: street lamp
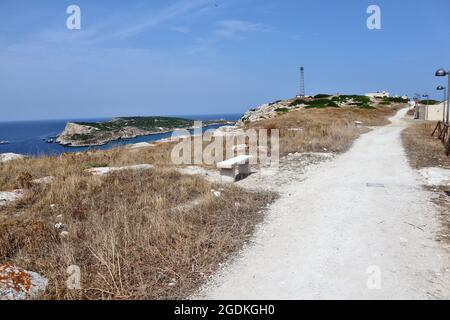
[442,73]
[442,88]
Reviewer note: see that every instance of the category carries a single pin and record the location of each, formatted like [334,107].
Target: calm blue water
[29,137]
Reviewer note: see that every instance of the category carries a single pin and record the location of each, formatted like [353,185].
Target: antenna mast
[302,82]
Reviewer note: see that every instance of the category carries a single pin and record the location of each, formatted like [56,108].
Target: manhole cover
[374,185]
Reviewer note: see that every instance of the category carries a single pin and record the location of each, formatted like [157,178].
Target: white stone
[59,225]
[140,145]
[20,284]
[9,196]
[5,157]
[105,170]
[436,176]
[45,180]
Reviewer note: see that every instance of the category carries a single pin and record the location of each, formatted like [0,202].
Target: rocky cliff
[99,133]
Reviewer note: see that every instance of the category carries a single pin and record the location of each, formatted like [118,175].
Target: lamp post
[442,73]
[442,88]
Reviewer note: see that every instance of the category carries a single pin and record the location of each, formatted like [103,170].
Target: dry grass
[422,149]
[152,234]
[76,163]
[330,129]
[425,151]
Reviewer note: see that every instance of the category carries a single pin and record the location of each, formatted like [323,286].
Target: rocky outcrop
[7,197]
[78,135]
[271,110]
[5,157]
[20,284]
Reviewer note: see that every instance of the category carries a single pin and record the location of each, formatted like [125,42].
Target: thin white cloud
[226,29]
[230,28]
[116,27]
[173,12]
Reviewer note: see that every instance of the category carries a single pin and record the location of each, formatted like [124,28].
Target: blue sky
[210,57]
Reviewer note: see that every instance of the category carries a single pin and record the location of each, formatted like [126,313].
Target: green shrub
[429,102]
[395,99]
[321,96]
[282,110]
[297,101]
[321,103]
[340,99]
[355,98]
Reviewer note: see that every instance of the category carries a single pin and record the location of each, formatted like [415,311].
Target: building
[378,94]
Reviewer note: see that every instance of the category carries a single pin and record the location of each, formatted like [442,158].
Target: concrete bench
[228,167]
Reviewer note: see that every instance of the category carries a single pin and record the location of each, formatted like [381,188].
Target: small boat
[51,140]
[4,142]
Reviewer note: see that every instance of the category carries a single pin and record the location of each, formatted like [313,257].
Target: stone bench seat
[229,166]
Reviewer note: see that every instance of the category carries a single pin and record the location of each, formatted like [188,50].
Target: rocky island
[80,134]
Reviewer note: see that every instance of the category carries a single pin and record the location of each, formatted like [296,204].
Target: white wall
[434,112]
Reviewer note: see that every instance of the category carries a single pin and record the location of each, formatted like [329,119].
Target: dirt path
[355,217]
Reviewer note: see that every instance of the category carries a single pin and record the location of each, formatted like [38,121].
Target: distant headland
[82,134]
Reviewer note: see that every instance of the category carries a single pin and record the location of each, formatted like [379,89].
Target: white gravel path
[328,235]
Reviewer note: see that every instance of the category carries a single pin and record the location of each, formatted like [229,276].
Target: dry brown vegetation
[330,129]
[422,149]
[153,234]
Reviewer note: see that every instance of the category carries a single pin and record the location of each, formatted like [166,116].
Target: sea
[33,138]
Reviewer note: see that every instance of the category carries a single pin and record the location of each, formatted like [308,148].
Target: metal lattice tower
[302,82]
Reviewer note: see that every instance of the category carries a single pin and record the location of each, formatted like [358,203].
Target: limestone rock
[20,284]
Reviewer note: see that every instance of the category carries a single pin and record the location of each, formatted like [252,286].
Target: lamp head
[441,73]
[440,88]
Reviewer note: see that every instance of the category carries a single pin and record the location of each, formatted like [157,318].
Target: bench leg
[228,173]
[245,169]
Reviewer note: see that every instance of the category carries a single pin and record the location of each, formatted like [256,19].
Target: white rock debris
[105,170]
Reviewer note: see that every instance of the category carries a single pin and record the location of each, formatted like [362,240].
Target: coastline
[107,141]
[30,137]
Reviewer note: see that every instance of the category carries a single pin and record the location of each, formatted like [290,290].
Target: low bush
[321,103]
[321,96]
[297,102]
[429,102]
